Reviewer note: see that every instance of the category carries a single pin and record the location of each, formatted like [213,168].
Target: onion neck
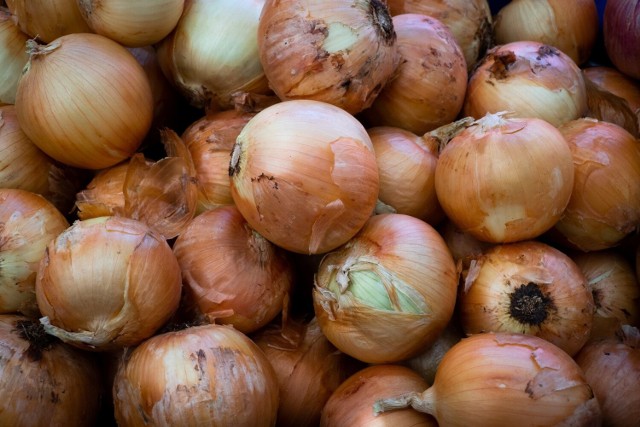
[382,22]
[422,402]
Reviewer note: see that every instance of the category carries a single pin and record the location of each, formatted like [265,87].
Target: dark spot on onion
[502,61]
[529,305]
[39,341]
[382,21]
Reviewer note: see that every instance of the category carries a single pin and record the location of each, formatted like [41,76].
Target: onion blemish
[529,305]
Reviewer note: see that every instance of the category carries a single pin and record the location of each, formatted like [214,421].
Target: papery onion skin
[621,32]
[463,246]
[529,288]
[28,222]
[301,184]
[605,201]
[350,405]
[395,275]
[203,375]
[107,283]
[107,105]
[530,79]
[505,179]
[103,195]
[47,20]
[45,382]
[13,57]
[342,53]
[492,379]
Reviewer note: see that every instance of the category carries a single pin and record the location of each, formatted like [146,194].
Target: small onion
[350,405]
[28,222]
[338,52]
[13,57]
[84,100]
[530,79]
[303,185]
[505,179]
[529,288]
[132,23]
[605,201]
[47,20]
[44,382]
[502,379]
[107,283]
[621,32]
[389,292]
[204,375]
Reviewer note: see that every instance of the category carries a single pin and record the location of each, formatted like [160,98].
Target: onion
[395,275]
[47,20]
[500,379]
[104,194]
[204,375]
[73,103]
[28,222]
[612,368]
[616,293]
[303,185]
[621,32]
[12,57]
[338,52]
[309,369]
[530,79]
[213,51]
[350,405]
[505,179]
[44,382]
[529,288]
[463,246]
[132,23]
[605,201]
[569,25]
[107,283]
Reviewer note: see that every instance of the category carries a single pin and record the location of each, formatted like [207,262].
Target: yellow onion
[350,405]
[204,375]
[505,179]
[389,292]
[107,283]
[528,288]
[612,368]
[84,100]
[47,20]
[616,293]
[569,25]
[309,369]
[605,201]
[13,57]
[213,51]
[304,175]
[232,275]
[470,21]
[28,222]
[463,246]
[104,194]
[530,79]
[338,52]
[428,87]
[44,382]
[132,22]
[503,379]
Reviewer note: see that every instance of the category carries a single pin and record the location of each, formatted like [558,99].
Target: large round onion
[13,57]
[338,52]
[621,31]
[304,175]
[47,20]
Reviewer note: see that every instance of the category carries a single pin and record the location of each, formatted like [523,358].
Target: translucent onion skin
[505,179]
[621,32]
[395,275]
[12,56]
[45,382]
[303,185]
[617,83]
[104,194]
[530,79]
[107,283]
[605,201]
[342,53]
[85,101]
[47,20]
[500,379]
[28,222]
[529,288]
[350,405]
[428,87]
[203,375]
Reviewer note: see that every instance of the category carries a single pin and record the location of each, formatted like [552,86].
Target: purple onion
[621,30]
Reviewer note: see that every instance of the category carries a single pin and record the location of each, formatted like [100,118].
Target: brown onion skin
[619,84]
[48,19]
[621,31]
[104,194]
[351,404]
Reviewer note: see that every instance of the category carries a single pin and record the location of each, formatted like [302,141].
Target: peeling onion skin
[104,194]
[57,385]
[204,375]
[339,52]
[529,288]
[502,379]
